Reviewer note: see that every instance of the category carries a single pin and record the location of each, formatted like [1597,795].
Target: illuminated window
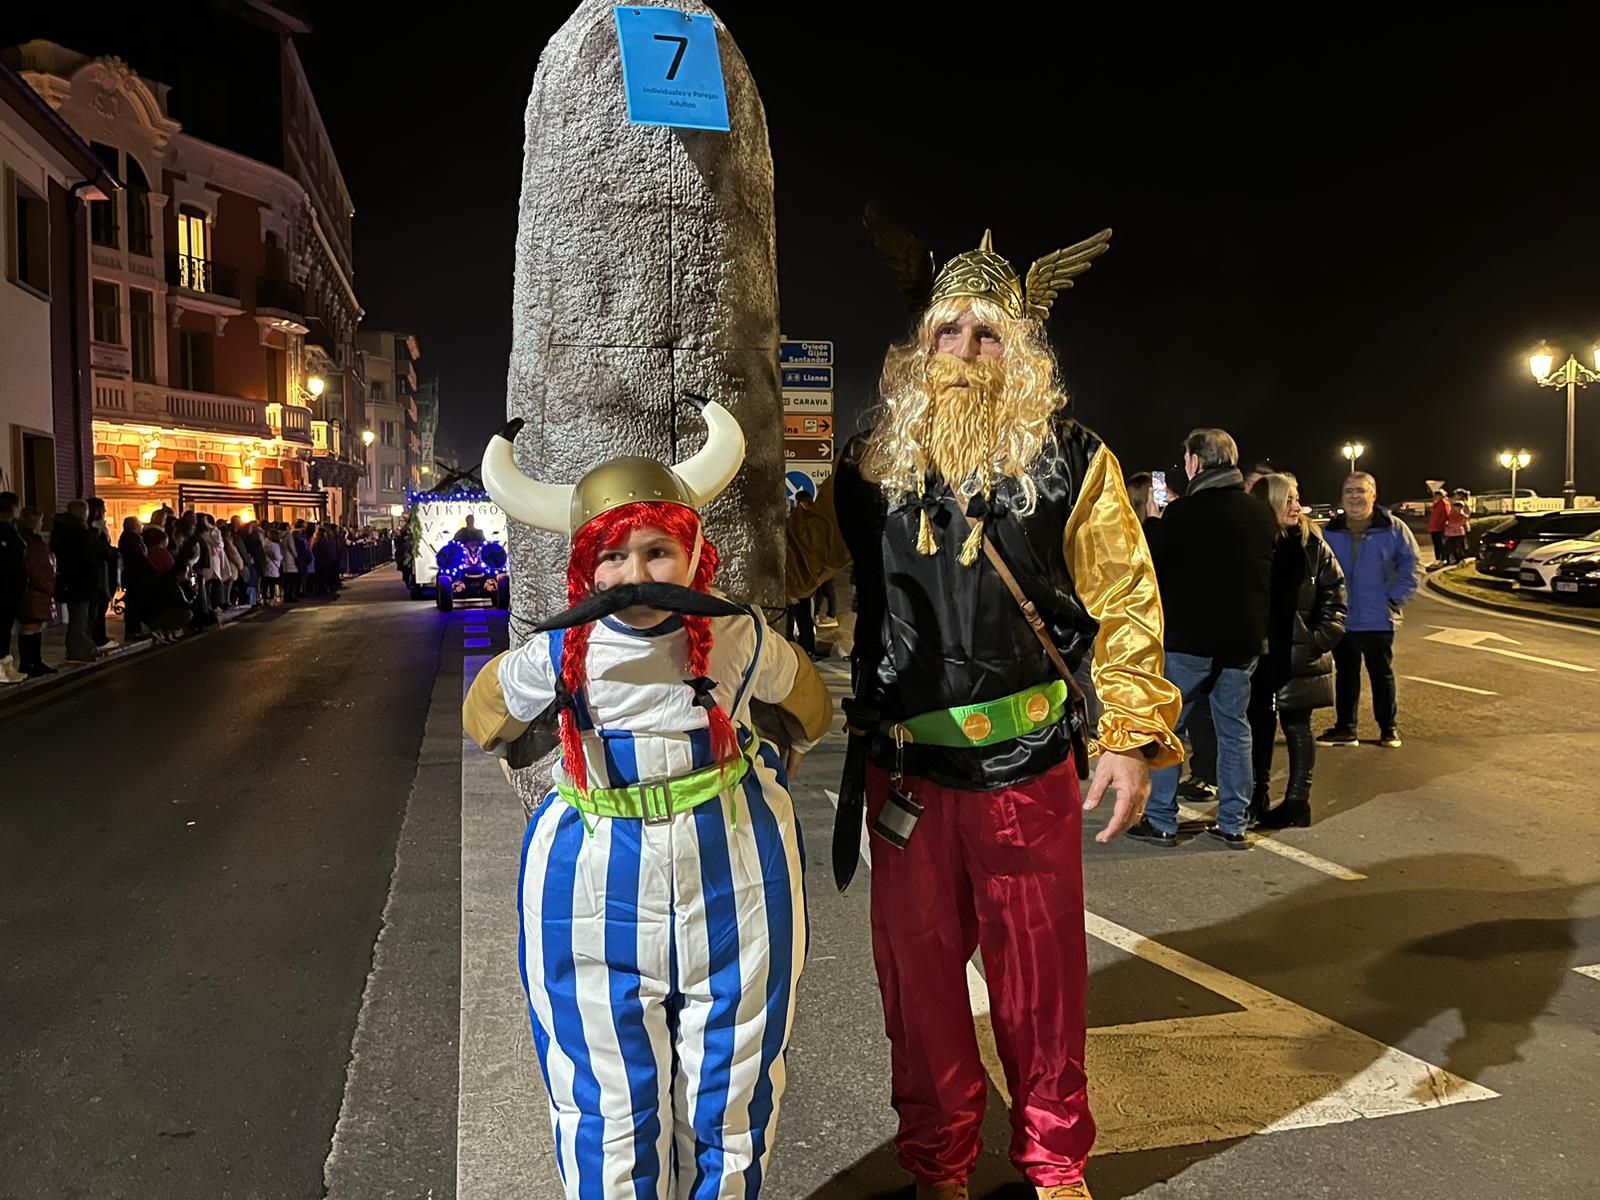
[107,468]
[271,476]
[194,260]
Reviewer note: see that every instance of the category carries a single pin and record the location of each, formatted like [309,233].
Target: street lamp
[1514,461]
[1572,375]
[368,437]
[316,385]
[1352,452]
[396,510]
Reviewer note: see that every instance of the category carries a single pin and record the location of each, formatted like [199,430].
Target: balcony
[326,439]
[203,277]
[172,408]
[280,305]
[291,422]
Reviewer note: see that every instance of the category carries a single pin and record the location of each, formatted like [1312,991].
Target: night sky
[1344,227]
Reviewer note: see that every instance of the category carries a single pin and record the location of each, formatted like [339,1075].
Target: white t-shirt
[637,714]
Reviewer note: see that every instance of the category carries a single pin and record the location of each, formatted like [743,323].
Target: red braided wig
[599,535]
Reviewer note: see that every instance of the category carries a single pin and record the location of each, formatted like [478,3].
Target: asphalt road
[1386,1004]
[195,851]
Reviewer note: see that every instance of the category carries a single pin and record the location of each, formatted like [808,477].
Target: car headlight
[1595,574]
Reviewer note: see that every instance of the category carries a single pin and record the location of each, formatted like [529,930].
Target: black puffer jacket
[1307,620]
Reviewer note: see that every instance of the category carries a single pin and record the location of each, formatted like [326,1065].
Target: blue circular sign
[797,482]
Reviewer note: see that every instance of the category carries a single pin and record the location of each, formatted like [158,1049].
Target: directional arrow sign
[1474,639]
[807,427]
[808,449]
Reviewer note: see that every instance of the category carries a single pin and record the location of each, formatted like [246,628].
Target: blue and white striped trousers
[660,963]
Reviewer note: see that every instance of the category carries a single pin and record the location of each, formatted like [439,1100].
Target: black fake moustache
[665,597]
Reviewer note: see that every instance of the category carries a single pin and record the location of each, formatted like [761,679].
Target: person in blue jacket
[1379,556]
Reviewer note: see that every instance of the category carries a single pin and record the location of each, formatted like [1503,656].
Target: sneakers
[943,1191]
[827,623]
[108,644]
[1233,841]
[9,672]
[1338,737]
[1390,739]
[1066,1191]
[1146,832]
[1197,791]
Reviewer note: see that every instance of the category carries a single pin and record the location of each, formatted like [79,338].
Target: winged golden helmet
[566,508]
[982,273]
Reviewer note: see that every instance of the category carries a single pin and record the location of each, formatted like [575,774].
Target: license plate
[1566,585]
[1532,577]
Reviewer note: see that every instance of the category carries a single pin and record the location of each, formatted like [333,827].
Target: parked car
[1501,552]
[1539,568]
[1579,579]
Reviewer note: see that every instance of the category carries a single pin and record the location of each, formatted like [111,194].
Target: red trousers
[1001,871]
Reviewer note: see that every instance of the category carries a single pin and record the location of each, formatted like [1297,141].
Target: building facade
[394,456]
[223,311]
[47,176]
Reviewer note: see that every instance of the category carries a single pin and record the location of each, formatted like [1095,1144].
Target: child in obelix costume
[661,894]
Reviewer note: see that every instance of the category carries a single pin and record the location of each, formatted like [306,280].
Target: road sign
[817,471]
[805,354]
[808,449]
[808,402]
[797,484]
[807,427]
[671,70]
[808,378]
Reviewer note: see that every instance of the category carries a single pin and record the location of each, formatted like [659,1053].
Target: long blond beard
[963,430]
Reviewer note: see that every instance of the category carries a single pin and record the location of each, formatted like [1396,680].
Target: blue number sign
[671,71]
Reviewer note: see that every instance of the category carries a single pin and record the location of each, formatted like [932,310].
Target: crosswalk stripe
[1293,853]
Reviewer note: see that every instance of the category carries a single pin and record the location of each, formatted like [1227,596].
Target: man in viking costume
[994,550]
[661,894]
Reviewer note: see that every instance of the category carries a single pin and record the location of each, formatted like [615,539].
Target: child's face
[644,556]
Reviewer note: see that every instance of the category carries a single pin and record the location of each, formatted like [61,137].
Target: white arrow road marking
[1293,853]
[1473,639]
[1592,972]
[1183,1081]
[1454,687]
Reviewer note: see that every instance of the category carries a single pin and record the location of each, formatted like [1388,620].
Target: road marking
[1293,853]
[1474,639]
[1592,972]
[1454,687]
[1185,1080]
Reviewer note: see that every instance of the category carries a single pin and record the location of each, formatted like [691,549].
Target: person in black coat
[1306,621]
[136,576]
[77,576]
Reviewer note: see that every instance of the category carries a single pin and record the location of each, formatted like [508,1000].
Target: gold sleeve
[808,708]
[1116,580]
[815,550]
[484,715]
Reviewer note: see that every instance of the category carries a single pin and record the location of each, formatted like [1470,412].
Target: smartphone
[1158,488]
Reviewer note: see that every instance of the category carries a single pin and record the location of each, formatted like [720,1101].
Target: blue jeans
[1230,702]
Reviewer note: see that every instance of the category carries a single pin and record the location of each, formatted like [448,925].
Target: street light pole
[1572,376]
[1352,452]
[1514,461]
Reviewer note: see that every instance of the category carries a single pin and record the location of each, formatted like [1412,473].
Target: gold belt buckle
[656,795]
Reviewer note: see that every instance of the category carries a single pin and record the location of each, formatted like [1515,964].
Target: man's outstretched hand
[1127,772]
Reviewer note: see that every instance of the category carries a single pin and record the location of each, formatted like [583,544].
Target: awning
[199,495]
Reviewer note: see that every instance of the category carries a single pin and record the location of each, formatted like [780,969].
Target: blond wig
[898,453]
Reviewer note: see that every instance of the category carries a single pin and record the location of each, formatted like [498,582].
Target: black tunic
[933,634]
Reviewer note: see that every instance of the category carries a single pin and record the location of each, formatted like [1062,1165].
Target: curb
[1554,617]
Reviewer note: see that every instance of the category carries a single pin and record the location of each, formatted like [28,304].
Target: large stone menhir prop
[646,267]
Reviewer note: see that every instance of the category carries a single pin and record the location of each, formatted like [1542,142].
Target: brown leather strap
[1030,613]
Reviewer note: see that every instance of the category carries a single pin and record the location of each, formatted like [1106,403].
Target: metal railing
[280,295]
[202,275]
[292,422]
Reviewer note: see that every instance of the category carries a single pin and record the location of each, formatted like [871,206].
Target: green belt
[984,724]
[657,801]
